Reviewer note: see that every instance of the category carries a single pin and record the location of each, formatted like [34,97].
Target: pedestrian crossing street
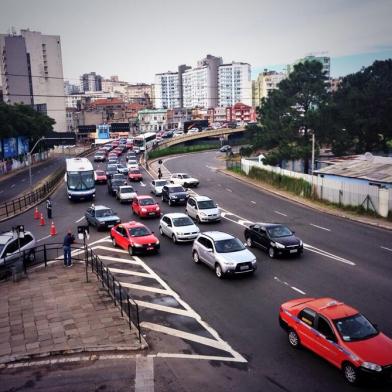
[172,327]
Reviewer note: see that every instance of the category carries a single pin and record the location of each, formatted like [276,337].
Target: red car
[145,206]
[115,143]
[100,177]
[117,151]
[135,175]
[134,237]
[340,334]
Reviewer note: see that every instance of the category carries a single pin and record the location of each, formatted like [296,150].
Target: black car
[225,148]
[174,194]
[114,184]
[167,135]
[101,216]
[111,170]
[274,238]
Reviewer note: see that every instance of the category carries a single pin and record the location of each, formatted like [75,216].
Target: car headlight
[144,210]
[173,197]
[157,243]
[300,243]
[371,366]
[203,214]
[157,208]
[254,261]
[279,245]
[180,233]
[118,220]
[137,245]
[229,264]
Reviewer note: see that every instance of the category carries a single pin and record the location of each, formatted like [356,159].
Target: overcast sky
[137,39]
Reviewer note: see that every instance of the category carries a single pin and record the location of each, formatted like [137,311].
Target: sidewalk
[55,312]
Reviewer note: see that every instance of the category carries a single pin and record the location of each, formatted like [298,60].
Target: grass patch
[181,150]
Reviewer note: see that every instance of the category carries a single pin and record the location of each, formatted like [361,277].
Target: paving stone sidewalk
[54,311]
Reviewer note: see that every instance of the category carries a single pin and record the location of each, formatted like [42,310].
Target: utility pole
[313,142]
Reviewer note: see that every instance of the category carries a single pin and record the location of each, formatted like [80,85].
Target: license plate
[293,251]
[150,248]
[110,225]
[243,267]
[151,213]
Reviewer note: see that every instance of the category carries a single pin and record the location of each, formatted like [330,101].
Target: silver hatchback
[224,253]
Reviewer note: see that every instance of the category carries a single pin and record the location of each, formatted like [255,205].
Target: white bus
[145,140]
[79,178]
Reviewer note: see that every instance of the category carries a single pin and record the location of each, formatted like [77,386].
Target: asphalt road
[342,259]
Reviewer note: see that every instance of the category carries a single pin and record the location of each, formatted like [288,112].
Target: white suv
[184,180]
[126,193]
[179,227]
[203,209]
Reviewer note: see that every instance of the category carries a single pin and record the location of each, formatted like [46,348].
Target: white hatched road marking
[144,379]
[327,254]
[320,227]
[80,219]
[280,213]
[168,309]
[142,183]
[384,247]
[127,272]
[288,285]
[118,259]
[43,238]
[145,288]
[229,190]
[196,356]
[253,202]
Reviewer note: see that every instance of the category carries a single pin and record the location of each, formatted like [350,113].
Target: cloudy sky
[137,38]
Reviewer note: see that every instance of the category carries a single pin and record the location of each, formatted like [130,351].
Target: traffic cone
[42,220]
[53,230]
[36,213]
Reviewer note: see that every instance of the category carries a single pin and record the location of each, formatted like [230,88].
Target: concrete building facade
[167,90]
[91,82]
[266,82]
[324,60]
[152,120]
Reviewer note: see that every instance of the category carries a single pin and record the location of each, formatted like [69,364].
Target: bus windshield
[80,181]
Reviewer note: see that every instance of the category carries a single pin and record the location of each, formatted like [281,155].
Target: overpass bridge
[214,133]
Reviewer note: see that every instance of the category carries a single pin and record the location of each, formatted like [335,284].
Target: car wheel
[294,339]
[350,373]
[130,250]
[271,252]
[195,257]
[174,239]
[218,271]
[31,256]
[114,243]
[160,231]
[249,242]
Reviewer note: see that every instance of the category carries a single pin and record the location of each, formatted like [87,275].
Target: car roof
[139,197]
[217,235]
[268,224]
[130,224]
[331,308]
[176,215]
[173,186]
[180,173]
[101,207]
[126,186]
[201,198]
[9,235]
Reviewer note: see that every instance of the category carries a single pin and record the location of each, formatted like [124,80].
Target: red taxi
[134,237]
[100,177]
[135,175]
[339,334]
[145,206]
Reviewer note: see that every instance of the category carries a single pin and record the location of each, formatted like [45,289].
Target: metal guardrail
[14,207]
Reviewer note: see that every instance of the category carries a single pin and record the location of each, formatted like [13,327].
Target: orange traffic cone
[42,220]
[53,230]
[36,213]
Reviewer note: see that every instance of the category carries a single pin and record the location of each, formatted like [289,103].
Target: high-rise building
[324,60]
[70,88]
[32,73]
[235,84]
[167,90]
[266,82]
[91,82]
[200,84]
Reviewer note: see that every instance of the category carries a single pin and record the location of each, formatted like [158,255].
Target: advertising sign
[9,146]
[103,131]
[23,145]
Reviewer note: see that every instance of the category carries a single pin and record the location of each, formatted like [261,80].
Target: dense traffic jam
[333,330]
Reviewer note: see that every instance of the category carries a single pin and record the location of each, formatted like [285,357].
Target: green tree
[290,114]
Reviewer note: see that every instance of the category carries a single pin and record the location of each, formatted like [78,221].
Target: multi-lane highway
[223,335]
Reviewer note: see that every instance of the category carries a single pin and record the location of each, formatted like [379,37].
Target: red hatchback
[134,237]
[100,177]
[145,206]
[340,334]
[135,175]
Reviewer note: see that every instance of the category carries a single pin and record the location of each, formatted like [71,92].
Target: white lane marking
[127,272]
[43,238]
[195,356]
[23,180]
[292,287]
[253,202]
[118,260]
[384,247]
[229,190]
[144,379]
[79,219]
[244,223]
[142,183]
[168,309]
[145,288]
[327,254]
[115,250]
[280,213]
[13,186]
[320,227]
[104,239]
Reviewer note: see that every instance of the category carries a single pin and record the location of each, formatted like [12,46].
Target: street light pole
[313,142]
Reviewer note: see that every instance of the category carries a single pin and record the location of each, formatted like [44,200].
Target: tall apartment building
[70,88]
[200,84]
[91,82]
[324,60]
[32,73]
[167,90]
[266,82]
[235,84]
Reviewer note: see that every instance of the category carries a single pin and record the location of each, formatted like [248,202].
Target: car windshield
[146,202]
[354,328]
[229,245]
[104,213]
[121,167]
[139,232]
[117,182]
[279,231]
[135,171]
[160,183]
[80,180]
[1,248]
[127,189]
[185,176]
[100,173]
[176,189]
[206,204]
[183,221]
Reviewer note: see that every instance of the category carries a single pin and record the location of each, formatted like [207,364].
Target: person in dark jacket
[49,207]
[68,241]
[159,173]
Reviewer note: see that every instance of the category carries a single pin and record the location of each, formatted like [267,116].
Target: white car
[126,193]
[179,227]
[203,209]
[156,186]
[132,165]
[178,133]
[184,180]
[193,130]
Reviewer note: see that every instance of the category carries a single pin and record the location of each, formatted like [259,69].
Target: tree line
[354,119]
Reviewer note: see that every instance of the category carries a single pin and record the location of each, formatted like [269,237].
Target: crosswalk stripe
[126,272]
[168,309]
[145,288]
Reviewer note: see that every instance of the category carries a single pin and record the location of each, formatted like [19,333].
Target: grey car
[224,253]
[101,216]
[9,246]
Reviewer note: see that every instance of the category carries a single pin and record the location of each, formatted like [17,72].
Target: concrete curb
[308,204]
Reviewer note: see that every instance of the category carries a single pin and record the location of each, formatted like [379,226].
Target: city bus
[79,179]
[144,140]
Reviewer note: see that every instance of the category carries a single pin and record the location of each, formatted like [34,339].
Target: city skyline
[109,43]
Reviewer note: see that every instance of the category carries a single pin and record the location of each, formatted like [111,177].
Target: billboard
[10,147]
[103,131]
[23,145]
